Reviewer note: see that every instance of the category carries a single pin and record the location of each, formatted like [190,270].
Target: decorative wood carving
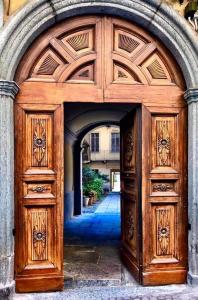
[127,42]
[125,75]
[39,142]
[39,220]
[163,231]
[47,65]
[130,225]
[163,187]
[80,41]
[139,59]
[129,150]
[84,73]
[163,143]
[156,70]
[39,190]
[129,185]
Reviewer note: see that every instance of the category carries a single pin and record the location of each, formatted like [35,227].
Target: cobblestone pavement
[172,292]
[92,247]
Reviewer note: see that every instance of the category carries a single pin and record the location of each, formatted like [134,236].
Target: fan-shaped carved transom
[75,51]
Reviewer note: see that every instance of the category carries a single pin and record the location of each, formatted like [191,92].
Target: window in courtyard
[115,142]
[95,142]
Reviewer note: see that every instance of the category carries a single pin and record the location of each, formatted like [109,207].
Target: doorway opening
[115,181]
[92,232]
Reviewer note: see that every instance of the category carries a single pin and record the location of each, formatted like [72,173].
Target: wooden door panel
[130,193]
[39,197]
[130,225]
[39,222]
[164,196]
[39,143]
[164,144]
[164,233]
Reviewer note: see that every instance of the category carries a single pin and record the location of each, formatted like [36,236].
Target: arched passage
[77,125]
[78,164]
[159,20]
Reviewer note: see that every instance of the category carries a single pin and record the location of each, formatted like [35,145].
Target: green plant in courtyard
[92,182]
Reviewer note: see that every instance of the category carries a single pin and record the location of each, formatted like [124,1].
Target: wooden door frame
[146,80]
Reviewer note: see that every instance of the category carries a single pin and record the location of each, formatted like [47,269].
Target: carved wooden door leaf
[153,176]
[39,204]
[130,193]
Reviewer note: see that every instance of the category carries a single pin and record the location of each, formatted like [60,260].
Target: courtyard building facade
[101,152]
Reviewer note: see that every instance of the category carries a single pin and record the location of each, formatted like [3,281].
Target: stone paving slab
[103,226]
[172,292]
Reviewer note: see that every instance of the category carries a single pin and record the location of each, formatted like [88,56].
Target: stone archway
[16,38]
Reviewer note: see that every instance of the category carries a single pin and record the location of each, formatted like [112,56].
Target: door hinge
[189,226]
[13,231]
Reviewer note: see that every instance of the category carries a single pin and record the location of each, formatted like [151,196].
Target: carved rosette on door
[39,142]
[39,222]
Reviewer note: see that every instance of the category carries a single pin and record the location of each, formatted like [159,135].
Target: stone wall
[11,6]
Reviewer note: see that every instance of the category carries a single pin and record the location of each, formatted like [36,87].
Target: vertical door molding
[191,97]
[8,91]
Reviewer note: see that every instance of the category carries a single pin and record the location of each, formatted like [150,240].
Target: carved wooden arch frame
[50,40]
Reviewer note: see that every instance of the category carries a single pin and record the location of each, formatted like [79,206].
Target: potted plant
[85,197]
[91,197]
[85,201]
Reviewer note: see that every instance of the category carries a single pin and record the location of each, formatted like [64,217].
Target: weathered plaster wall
[177,6]
[10,6]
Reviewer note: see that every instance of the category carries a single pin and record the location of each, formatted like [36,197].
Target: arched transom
[100,51]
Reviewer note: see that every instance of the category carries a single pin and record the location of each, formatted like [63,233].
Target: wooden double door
[101,59]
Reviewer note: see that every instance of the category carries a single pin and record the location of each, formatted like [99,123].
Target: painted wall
[11,6]
[177,6]
[104,143]
[105,160]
